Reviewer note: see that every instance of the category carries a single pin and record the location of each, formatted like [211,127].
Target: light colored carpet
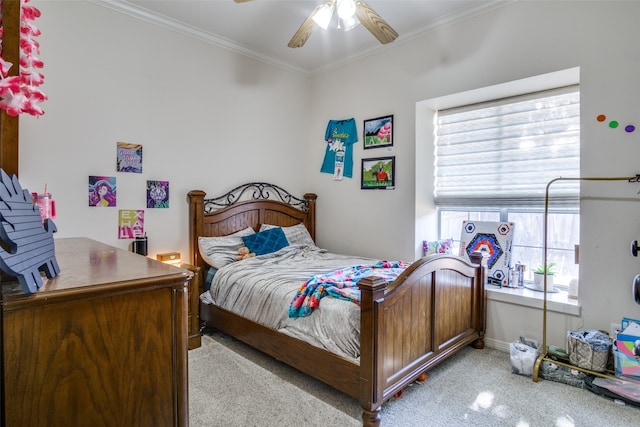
[230,384]
[228,389]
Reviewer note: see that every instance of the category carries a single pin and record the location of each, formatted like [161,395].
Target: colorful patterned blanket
[341,284]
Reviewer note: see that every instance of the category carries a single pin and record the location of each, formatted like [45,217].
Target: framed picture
[378,132]
[379,173]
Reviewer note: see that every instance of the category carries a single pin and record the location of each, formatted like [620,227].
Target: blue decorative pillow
[266,241]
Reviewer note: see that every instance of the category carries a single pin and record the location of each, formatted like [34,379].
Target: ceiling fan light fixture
[346,9]
[350,13]
[349,23]
[323,15]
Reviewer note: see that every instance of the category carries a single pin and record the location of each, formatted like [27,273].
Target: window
[493,161]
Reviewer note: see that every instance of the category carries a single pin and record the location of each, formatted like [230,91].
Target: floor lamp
[543,353]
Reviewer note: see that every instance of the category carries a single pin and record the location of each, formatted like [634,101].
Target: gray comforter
[261,289]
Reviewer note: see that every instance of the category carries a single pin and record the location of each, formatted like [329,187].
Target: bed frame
[432,310]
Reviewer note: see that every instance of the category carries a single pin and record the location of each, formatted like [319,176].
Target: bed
[434,308]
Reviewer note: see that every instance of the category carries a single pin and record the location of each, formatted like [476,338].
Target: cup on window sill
[573,289]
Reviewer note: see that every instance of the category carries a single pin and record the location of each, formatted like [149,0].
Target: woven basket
[589,349]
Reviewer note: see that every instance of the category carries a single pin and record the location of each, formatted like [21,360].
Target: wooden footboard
[436,307]
[433,309]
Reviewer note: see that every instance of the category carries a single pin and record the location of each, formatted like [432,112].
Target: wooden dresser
[195,289]
[102,344]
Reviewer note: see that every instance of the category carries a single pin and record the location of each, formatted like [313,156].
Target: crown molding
[191,31]
[180,27]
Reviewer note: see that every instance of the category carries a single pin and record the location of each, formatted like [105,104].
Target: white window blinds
[503,153]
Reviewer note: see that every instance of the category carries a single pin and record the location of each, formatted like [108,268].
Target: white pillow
[220,251]
[296,234]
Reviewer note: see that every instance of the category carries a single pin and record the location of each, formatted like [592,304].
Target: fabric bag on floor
[523,355]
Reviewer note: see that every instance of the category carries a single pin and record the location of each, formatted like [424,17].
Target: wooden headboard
[248,205]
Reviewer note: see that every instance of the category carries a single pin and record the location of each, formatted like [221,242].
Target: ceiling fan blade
[374,23]
[304,32]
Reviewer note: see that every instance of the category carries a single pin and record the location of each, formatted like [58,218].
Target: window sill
[557,302]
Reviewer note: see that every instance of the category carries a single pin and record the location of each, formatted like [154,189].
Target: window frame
[524,203]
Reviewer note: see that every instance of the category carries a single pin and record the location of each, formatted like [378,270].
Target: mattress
[262,288]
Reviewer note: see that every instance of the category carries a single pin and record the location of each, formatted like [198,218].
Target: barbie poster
[102,191]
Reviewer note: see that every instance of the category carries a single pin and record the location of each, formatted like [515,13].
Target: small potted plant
[538,276]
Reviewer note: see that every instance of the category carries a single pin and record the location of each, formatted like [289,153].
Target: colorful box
[627,351]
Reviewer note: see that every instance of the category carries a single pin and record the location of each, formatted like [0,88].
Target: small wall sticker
[614,124]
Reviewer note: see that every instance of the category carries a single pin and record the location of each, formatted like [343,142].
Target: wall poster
[130,223]
[129,157]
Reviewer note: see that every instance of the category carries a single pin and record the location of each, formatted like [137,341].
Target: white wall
[521,40]
[210,119]
[207,118]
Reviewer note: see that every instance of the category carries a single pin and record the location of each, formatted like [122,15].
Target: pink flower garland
[20,94]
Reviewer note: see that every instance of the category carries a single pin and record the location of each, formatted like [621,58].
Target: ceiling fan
[349,14]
